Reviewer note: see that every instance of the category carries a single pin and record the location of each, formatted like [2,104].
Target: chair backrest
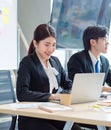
[6,88]
[7,94]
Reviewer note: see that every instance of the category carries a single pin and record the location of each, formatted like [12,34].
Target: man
[95,41]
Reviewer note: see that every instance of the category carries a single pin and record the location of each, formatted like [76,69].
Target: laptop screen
[87,87]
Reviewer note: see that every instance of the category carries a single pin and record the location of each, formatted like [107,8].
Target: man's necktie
[97,67]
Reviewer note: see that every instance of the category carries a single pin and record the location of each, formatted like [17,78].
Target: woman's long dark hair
[41,32]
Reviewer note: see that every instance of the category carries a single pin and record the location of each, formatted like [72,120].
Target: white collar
[93,58]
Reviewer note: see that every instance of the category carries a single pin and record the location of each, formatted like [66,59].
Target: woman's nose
[51,48]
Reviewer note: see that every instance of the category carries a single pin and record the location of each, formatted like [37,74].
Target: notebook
[87,87]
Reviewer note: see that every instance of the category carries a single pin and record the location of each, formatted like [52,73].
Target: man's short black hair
[93,32]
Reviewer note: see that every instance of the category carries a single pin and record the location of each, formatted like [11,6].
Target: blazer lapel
[103,65]
[53,64]
[42,73]
[89,63]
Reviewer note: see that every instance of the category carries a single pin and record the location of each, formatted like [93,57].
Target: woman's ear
[35,43]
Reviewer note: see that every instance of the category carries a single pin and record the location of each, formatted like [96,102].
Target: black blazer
[32,81]
[80,62]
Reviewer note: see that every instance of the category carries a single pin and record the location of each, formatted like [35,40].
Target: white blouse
[51,73]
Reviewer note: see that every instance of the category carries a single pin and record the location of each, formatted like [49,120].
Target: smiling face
[45,48]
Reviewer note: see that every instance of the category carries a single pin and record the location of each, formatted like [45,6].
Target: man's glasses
[106,39]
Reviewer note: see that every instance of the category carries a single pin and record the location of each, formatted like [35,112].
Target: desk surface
[81,113]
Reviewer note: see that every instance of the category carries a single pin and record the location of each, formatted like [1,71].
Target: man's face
[100,45]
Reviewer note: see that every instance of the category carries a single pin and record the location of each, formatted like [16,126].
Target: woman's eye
[54,45]
[46,45]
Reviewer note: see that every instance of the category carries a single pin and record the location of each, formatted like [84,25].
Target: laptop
[87,87]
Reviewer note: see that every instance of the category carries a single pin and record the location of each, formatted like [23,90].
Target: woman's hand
[106,89]
[54,97]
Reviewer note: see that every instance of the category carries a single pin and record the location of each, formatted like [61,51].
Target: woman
[40,75]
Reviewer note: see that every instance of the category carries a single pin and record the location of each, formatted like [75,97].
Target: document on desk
[25,105]
[104,105]
[53,107]
[46,106]
[106,102]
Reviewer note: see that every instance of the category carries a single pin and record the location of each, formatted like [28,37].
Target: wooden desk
[81,113]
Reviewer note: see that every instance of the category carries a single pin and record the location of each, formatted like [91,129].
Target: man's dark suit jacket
[80,62]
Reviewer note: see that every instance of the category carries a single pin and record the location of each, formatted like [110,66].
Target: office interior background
[69,17]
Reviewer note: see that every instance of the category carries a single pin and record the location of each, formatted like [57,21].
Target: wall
[30,14]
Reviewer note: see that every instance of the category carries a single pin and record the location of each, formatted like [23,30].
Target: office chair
[7,94]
